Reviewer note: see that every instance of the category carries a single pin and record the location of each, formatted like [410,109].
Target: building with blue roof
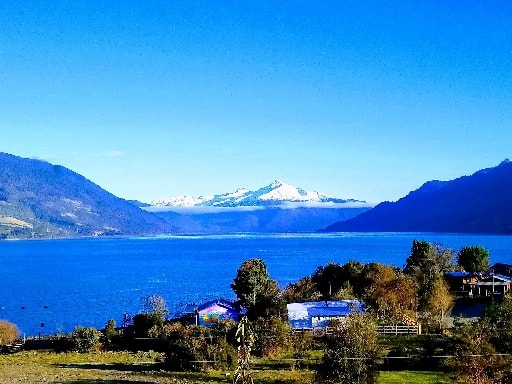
[318,314]
[211,312]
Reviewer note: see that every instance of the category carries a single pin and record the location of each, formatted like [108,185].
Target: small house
[482,284]
[492,284]
[318,314]
[459,282]
[211,312]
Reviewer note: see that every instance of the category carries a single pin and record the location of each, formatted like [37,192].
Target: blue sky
[357,99]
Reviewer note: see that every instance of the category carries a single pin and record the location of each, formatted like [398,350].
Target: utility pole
[492,271]
[245,339]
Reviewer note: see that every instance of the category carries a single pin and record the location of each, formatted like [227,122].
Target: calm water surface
[69,282]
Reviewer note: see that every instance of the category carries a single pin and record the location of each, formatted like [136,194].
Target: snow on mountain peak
[275,194]
[280,191]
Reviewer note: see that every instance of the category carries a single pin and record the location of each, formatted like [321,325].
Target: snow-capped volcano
[276,208]
[277,193]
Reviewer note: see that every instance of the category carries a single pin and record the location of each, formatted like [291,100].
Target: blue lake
[68,282]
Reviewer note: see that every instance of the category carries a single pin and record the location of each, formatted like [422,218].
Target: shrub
[271,336]
[9,332]
[350,352]
[300,344]
[85,339]
[224,354]
[187,345]
[181,356]
[225,329]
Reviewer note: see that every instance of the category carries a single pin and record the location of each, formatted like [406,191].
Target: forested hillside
[41,200]
[480,203]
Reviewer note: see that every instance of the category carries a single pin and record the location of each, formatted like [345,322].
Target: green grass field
[33,367]
[412,377]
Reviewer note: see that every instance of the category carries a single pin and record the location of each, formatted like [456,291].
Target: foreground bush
[9,332]
[193,348]
[483,347]
[271,336]
[350,352]
[85,339]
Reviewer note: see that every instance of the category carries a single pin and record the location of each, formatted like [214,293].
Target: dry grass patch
[33,367]
[48,367]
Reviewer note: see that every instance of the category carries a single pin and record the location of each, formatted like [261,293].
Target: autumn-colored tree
[374,278]
[9,332]
[427,265]
[391,293]
[437,303]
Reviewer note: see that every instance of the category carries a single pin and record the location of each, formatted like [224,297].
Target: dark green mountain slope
[480,203]
[41,200]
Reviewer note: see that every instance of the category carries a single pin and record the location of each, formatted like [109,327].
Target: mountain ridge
[478,203]
[43,200]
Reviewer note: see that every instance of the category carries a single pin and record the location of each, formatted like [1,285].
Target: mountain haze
[480,203]
[41,200]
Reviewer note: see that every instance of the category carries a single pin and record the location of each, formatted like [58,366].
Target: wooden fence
[399,329]
[396,329]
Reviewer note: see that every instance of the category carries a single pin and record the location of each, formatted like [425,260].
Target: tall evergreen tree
[253,287]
